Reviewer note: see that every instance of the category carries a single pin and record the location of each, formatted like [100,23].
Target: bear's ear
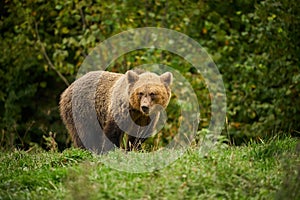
[132,77]
[166,78]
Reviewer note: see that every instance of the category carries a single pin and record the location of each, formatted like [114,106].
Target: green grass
[256,171]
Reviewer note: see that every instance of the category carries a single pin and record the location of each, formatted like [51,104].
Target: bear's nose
[145,109]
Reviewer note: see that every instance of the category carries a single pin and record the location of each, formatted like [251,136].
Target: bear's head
[148,90]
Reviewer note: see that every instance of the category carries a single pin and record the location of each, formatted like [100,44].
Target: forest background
[255,45]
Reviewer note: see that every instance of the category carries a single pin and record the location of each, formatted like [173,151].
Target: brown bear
[101,106]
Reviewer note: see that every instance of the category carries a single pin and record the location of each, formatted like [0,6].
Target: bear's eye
[140,94]
[152,95]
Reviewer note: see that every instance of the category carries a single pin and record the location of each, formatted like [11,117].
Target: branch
[43,50]
[82,18]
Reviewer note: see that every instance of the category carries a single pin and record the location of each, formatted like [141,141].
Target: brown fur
[122,102]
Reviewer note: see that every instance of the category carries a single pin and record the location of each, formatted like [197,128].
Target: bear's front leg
[142,134]
[113,133]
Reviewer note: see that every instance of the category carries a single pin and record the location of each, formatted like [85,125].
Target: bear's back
[107,81]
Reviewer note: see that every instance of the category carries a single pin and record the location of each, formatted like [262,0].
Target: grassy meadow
[265,170]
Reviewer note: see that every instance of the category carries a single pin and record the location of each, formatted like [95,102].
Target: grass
[255,171]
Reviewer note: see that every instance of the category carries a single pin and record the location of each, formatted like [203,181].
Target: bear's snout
[145,109]
[145,104]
